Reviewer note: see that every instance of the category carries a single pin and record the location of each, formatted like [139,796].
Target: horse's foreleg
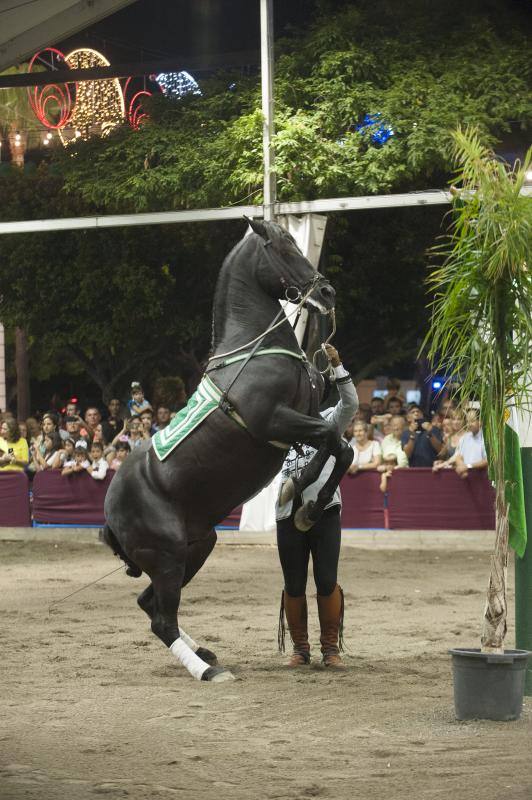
[287,425]
[306,516]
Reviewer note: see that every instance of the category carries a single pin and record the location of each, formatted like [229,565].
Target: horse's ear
[257,227]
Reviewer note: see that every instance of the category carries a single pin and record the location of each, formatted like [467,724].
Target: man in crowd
[422,441]
[162,418]
[115,419]
[92,419]
[391,444]
[377,406]
[73,427]
[471,452]
[395,406]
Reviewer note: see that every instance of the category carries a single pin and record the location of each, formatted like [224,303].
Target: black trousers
[322,540]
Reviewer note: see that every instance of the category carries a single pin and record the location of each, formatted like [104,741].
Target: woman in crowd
[33,429]
[14,453]
[52,458]
[322,540]
[368,453]
[458,429]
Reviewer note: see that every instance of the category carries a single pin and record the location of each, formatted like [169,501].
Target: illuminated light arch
[99,104]
[62,96]
[177,84]
[135,111]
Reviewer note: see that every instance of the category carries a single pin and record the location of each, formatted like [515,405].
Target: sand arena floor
[93,705]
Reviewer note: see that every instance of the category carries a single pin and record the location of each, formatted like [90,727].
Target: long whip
[56,602]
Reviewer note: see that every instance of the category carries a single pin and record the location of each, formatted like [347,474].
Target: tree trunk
[18,140]
[494,623]
[23,374]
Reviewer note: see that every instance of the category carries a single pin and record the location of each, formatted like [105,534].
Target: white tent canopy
[27,26]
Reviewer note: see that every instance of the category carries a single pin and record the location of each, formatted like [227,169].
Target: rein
[273,325]
[301,295]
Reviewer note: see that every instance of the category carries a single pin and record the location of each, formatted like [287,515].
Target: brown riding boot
[331,614]
[296,616]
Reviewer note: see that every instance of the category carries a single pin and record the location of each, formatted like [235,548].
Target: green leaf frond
[481,312]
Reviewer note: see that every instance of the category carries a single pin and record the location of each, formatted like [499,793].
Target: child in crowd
[67,453]
[387,467]
[122,451]
[98,468]
[137,402]
[81,461]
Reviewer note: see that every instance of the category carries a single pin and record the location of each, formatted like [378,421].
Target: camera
[420,425]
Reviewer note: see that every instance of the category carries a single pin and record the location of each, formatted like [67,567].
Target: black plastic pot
[488,685]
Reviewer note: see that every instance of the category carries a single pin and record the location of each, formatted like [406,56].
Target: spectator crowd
[385,434]
[72,443]
[388,434]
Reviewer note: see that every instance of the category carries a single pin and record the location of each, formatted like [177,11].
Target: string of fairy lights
[82,109]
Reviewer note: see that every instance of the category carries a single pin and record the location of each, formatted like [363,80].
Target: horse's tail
[107,536]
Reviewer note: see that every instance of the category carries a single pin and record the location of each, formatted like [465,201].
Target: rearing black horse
[161,514]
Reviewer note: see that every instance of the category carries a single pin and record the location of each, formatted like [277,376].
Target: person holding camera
[422,440]
[132,433]
[14,454]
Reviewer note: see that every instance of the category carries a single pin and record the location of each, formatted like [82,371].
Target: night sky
[161,29]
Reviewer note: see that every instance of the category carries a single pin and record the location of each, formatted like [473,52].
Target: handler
[322,540]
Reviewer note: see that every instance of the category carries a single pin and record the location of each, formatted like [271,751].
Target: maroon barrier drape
[69,499]
[233,520]
[362,500]
[14,500]
[419,499]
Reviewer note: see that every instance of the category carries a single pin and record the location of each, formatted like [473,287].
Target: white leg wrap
[188,658]
[188,640]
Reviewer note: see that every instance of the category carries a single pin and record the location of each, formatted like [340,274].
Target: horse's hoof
[217,675]
[288,492]
[207,655]
[302,519]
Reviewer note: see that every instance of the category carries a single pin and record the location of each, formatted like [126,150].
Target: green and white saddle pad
[202,403]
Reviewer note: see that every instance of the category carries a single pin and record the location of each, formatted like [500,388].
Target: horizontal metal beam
[431,197]
[192,64]
[119,220]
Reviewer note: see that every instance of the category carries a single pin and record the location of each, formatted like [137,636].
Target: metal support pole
[523,566]
[3,397]
[266,64]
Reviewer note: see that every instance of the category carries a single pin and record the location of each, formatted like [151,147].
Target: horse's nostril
[327,292]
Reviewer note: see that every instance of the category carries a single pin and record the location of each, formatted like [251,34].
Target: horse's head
[285,273]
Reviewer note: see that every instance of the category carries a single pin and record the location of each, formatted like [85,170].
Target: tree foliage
[119,301]
[424,67]
[114,300]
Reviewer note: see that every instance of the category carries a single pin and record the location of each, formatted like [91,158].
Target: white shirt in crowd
[365,456]
[471,447]
[99,469]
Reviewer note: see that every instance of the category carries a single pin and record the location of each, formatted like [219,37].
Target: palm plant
[481,326]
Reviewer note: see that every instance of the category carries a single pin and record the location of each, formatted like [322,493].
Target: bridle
[303,295]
